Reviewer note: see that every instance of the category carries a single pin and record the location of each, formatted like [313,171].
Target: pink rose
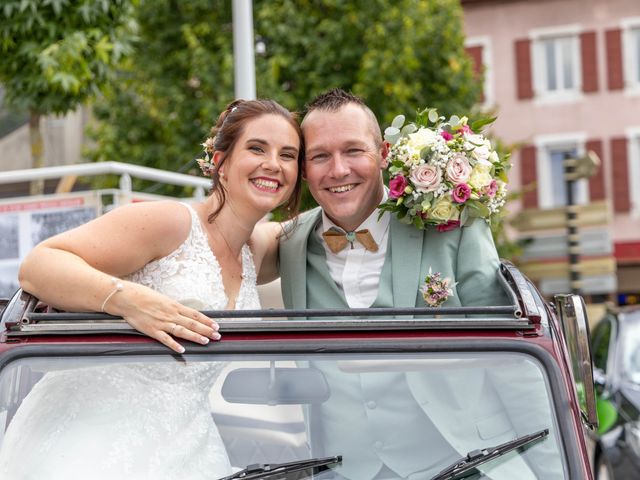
[446,135]
[461,193]
[492,188]
[426,178]
[450,225]
[458,168]
[466,129]
[396,186]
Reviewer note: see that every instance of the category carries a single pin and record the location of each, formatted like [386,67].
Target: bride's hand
[160,317]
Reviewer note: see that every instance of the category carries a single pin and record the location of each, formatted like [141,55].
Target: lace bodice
[142,420]
[191,274]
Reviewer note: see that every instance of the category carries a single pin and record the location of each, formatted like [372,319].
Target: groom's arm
[477,265]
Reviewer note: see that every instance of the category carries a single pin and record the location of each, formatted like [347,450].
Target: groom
[344,158]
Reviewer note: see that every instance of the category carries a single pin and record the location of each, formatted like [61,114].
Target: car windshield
[390,415]
[631,348]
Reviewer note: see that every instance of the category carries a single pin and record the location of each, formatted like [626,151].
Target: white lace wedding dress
[132,421]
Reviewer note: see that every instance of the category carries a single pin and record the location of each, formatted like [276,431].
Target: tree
[169,93]
[56,54]
[400,55]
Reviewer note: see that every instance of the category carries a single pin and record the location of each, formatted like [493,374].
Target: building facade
[564,79]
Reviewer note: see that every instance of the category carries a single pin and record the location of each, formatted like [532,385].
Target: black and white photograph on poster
[9,239]
[9,279]
[48,224]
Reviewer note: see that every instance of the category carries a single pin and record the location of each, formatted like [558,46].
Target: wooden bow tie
[337,239]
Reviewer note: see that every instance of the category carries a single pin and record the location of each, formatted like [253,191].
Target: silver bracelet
[118,287]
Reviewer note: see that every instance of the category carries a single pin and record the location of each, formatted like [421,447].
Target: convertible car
[503,392]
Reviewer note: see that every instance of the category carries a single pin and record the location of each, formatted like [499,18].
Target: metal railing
[125,170]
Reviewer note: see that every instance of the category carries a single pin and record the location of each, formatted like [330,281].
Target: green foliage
[395,53]
[57,53]
[170,92]
[414,57]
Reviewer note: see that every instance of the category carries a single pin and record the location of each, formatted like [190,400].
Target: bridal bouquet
[442,172]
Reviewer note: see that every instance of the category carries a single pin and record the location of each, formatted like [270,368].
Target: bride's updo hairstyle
[230,127]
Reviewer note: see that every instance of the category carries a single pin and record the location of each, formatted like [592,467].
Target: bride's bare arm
[75,270]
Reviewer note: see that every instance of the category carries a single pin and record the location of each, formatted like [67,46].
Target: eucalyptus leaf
[418,222]
[433,115]
[408,129]
[392,134]
[398,122]
[454,121]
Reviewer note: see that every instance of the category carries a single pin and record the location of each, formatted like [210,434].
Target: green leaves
[56,54]
[396,54]
[478,124]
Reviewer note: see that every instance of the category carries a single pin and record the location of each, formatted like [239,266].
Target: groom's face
[343,164]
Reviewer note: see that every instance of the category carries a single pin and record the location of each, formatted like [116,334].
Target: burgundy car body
[532,329]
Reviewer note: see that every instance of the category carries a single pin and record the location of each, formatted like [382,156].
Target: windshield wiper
[268,470]
[478,457]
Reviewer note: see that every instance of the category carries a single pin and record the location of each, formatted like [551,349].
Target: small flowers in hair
[206,164]
[436,289]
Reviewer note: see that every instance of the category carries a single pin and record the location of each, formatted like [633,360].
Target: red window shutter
[589,62]
[523,69]
[596,182]
[613,41]
[621,200]
[475,53]
[528,176]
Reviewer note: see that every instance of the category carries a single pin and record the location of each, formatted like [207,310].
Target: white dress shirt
[356,270]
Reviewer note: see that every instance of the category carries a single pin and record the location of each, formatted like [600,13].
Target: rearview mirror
[275,386]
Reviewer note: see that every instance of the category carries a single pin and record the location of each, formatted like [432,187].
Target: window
[635,49]
[559,64]
[552,188]
[631,50]
[633,135]
[556,63]
[277,408]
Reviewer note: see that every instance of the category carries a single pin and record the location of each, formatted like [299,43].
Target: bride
[156,264]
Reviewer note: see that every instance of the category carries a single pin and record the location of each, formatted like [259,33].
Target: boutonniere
[436,289]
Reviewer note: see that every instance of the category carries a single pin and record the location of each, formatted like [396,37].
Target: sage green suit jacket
[465,255]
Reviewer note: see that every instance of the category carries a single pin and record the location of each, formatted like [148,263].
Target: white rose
[444,210]
[481,147]
[480,176]
[422,138]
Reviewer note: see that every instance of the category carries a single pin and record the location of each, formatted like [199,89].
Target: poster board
[25,222]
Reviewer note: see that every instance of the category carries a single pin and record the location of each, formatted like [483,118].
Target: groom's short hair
[336,98]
